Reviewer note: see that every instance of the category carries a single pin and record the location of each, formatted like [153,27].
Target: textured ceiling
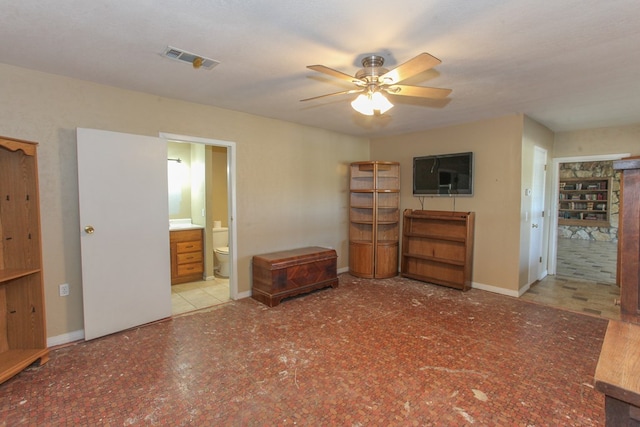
[567,64]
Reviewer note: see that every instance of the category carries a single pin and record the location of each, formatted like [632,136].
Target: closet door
[124,229]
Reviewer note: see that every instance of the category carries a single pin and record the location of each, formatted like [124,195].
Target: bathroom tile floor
[187,297]
[367,353]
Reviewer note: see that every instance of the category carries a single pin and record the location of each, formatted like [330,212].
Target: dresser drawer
[192,246]
[189,269]
[189,257]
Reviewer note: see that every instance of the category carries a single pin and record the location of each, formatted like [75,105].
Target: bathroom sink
[182,224]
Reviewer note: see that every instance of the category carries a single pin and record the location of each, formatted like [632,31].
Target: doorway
[582,272]
[202,192]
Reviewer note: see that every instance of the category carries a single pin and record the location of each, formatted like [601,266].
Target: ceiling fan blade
[344,92]
[334,73]
[414,66]
[419,91]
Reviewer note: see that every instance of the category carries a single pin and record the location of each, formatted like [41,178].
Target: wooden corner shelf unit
[584,202]
[437,247]
[374,219]
[23,338]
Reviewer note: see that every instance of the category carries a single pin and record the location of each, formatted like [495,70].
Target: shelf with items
[584,202]
[374,219]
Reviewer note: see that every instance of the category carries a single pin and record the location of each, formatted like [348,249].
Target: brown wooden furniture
[584,202]
[187,256]
[283,274]
[437,247]
[629,239]
[374,219]
[618,374]
[23,337]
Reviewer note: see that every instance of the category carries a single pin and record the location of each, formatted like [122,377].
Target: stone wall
[602,169]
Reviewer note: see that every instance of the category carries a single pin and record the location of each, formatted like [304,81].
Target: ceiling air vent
[197,61]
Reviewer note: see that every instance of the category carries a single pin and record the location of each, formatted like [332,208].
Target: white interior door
[124,228]
[536,268]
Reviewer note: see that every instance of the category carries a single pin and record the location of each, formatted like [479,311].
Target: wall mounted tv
[443,175]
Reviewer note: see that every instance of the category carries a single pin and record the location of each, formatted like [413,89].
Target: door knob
[89,229]
[534,225]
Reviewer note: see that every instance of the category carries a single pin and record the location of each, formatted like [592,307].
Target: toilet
[221,250]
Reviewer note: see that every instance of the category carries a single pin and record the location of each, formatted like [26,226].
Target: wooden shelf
[584,202]
[437,247]
[12,362]
[16,273]
[23,338]
[438,237]
[374,219]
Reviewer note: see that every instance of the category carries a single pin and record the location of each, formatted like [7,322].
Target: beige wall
[591,142]
[497,148]
[219,208]
[291,179]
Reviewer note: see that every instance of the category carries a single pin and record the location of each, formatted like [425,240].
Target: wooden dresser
[187,256]
[279,275]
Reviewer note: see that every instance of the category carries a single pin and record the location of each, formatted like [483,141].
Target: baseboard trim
[242,295]
[65,338]
[495,289]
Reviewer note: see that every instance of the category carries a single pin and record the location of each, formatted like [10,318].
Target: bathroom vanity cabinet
[23,339]
[187,255]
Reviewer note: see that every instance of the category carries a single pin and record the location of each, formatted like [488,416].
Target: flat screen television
[443,175]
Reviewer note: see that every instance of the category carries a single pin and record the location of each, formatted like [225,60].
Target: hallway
[585,280]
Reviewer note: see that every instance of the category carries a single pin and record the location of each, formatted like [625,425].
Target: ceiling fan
[373,80]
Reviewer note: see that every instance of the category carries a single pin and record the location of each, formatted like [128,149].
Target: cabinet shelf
[432,279]
[435,259]
[16,273]
[437,247]
[374,219]
[459,239]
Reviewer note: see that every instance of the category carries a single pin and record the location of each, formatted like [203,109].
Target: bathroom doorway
[202,197]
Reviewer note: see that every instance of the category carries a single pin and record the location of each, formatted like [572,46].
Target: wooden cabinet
[374,219]
[283,274]
[23,339]
[617,374]
[584,202]
[187,256]
[437,247]
[629,239]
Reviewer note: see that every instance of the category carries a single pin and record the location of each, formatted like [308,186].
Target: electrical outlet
[64,290]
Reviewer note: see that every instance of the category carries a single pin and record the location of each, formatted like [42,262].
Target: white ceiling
[569,64]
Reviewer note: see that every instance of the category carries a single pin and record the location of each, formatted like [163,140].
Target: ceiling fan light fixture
[371,102]
[363,105]
[380,103]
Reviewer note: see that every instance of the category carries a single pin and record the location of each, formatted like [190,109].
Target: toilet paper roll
[217,224]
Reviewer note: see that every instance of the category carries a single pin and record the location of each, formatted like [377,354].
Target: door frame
[555,191]
[231,198]
[537,270]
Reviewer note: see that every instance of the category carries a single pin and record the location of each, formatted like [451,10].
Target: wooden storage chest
[283,274]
